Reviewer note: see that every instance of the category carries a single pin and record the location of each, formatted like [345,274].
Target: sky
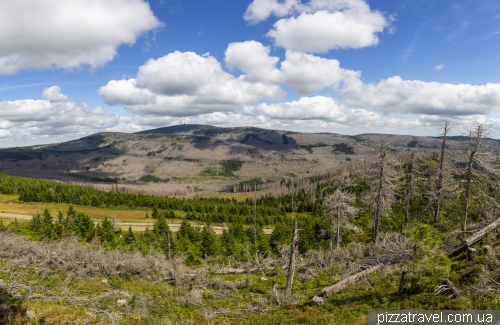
[73,68]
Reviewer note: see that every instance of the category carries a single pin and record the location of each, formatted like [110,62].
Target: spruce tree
[129,237]
[160,227]
[209,245]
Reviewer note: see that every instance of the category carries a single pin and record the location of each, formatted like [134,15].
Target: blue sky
[73,68]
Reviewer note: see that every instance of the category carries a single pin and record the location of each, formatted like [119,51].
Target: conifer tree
[228,243]
[209,245]
[129,237]
[107,232]
[155,212]
[160,227]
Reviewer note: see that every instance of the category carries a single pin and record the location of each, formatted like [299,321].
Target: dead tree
[476,237]
[339,205]
[331,290]
[382,188]
[411,171]
[441,172]
[291,265]
[291,220]
[169,252]
[478,172]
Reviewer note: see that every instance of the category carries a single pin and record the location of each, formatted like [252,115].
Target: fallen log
[230,270]
[329,291]
[474,239]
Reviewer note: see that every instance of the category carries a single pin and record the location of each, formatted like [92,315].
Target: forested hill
[192,159]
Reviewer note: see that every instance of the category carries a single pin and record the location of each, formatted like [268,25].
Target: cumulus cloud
[253,59]
[320,25]
[53,116]
[68,34]
[216,118]
[186,84]
[395,95]
[308,74]
[53,94]
[319,113]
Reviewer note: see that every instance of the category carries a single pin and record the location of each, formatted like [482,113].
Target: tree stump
[402,283]
[471,254]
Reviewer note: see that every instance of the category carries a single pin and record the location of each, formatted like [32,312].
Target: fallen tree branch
[329,291]
[474,239]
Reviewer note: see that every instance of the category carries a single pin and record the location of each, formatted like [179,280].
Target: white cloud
[53,94]
[216,118]
[260,10]
[68,34]
[320,25]
[395,95]
[253,59]
[186,84]
[324,114]
[53,116]
[439,67]
[308,74]
[328,110]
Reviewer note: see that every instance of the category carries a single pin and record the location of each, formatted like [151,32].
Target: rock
[31,314]
[105,281]
[317,301]
[121,302]
[263,278]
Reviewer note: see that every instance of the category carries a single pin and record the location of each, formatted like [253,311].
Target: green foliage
[17,155]
[209,245]
[429,265]
[129,237]
[226,169]
[412,144]
[153,179]
[309,147]
[344,148]
[253,181]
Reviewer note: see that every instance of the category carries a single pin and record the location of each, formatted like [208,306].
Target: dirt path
[136,226]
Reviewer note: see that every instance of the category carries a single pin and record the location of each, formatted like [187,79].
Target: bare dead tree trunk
[440,176]
[168,239]
[402,283]
[409,185]
[331,233]
[338,228]
[378,199]
[329,291]
[471,154]
[291,220]
[291,265]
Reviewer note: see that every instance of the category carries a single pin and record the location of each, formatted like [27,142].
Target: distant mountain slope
[190,158]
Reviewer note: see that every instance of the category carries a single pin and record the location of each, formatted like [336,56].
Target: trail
[136,226]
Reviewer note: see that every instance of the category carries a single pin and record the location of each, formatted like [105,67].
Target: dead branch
[331,290]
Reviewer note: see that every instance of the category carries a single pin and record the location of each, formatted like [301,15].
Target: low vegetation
[400,231]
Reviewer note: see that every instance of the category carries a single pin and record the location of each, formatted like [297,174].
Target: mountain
[192,157]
